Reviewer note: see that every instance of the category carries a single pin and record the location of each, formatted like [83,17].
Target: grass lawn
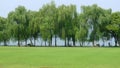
[60,57]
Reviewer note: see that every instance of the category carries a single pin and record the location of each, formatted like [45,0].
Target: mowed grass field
[59,57]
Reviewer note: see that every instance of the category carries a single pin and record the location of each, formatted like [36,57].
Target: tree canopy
[64,22]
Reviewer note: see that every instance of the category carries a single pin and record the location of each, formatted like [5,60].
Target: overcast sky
[9,5]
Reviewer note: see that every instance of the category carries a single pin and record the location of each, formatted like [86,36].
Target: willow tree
[114,27]
[4,31]
[34,27]
[17,18]
[2,23]
[64,23]
[105,20]
[82,30]
[67,18]
[48,15]
[26,31]
[92,14]
[74,22]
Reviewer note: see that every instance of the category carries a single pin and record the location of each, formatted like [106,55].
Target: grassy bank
[61,57]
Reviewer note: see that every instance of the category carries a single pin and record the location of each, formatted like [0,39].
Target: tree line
[92,24]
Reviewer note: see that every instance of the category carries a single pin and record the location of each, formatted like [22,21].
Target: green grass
[61,57]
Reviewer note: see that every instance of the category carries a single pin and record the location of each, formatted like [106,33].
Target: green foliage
[97,18]
[4,31]
[17,19]
[114,27]
[115,22]
[48,21]
[82,29]
[92,24]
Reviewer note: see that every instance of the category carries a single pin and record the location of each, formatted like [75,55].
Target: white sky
[9,5]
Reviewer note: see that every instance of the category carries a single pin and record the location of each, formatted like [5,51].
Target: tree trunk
[25,42]
[68,42]
[80,43]
[116,38]
[115,42]
[45,43]
[18,43]
[51,40]
[103,43]
[93,42]
[5,43]
[18,37]
[55,41]
[34,42]
[49,43]
[18,40]
[31,41]
[41,43]
[73,39]
[65,42]
[119,41]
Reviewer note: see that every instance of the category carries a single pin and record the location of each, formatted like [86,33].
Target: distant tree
[48,13]
[82,30]
[104,20]
[34,27]
[92,15]
[67,18]
[4,31]
[17,18]
[114,27]
[92,25]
